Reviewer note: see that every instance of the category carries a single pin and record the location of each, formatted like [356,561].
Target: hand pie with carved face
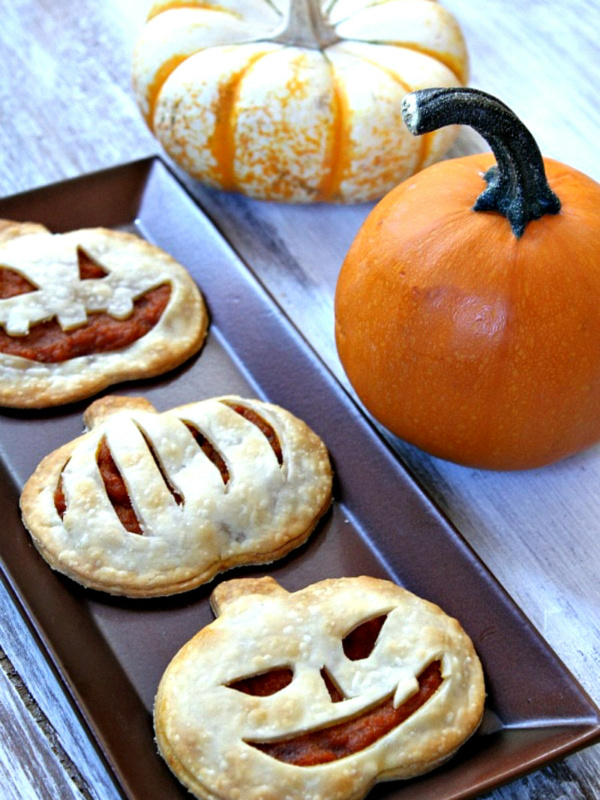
[149,504]
[318,693]
[80,311]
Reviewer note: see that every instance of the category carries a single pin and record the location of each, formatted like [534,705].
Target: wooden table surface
[66,108]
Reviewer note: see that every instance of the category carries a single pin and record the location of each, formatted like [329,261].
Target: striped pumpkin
[295,100]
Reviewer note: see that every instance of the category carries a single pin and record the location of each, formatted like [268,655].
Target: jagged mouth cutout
[348,736]
[47,342]
[115,485]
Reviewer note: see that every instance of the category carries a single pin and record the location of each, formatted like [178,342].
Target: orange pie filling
[350,735]
[46,342]
[116,488]
[353,735]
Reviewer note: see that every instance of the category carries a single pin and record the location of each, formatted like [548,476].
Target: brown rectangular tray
[110,652]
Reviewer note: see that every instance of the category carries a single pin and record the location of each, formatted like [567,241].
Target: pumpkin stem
[305,26]
[517,185]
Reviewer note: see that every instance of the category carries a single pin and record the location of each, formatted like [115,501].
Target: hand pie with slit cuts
[148,504]
[319,693]
[82,310]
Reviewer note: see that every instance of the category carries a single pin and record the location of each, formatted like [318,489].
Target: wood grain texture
[44,752]
[66,107]
[29,745]
[65,90]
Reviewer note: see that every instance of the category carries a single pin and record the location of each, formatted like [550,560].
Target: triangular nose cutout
[89,268]
[334,690]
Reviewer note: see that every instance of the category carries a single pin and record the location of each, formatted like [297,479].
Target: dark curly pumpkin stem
[517,186]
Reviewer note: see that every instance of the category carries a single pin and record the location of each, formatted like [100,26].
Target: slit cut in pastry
[318,693]
[148,504]
[80,311]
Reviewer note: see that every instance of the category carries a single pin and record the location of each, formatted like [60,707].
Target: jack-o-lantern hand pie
[82,310]
[318,693]
[147,504]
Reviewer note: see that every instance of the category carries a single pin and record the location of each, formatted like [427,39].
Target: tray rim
[586,729]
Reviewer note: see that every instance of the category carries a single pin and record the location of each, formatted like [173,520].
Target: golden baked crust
[207,731]
[195,519]
[133,267]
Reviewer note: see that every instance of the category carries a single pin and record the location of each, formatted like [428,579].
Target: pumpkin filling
[47,343]
[175,494]
[210,451]
[116,489]
[12,284]
[263,426]
[264,684]
[353,735]
[60,501]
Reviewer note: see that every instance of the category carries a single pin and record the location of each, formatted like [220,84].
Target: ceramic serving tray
[110,652]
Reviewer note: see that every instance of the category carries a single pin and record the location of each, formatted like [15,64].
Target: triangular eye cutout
[359,643]
[89,268]
[264,684]
[12,283]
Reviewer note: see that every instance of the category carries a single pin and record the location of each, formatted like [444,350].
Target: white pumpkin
[296,102]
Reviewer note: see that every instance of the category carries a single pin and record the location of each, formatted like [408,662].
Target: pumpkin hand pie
[82,310]
[319,693]
[147,504]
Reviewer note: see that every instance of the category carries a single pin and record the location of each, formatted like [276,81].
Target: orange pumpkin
[473,337]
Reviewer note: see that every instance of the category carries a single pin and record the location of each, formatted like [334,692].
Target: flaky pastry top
[132,266]
[212,484]
[210,733]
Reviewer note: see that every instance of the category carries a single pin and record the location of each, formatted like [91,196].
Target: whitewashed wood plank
[52,739]
[65,90]
[542,58]
[30,769]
